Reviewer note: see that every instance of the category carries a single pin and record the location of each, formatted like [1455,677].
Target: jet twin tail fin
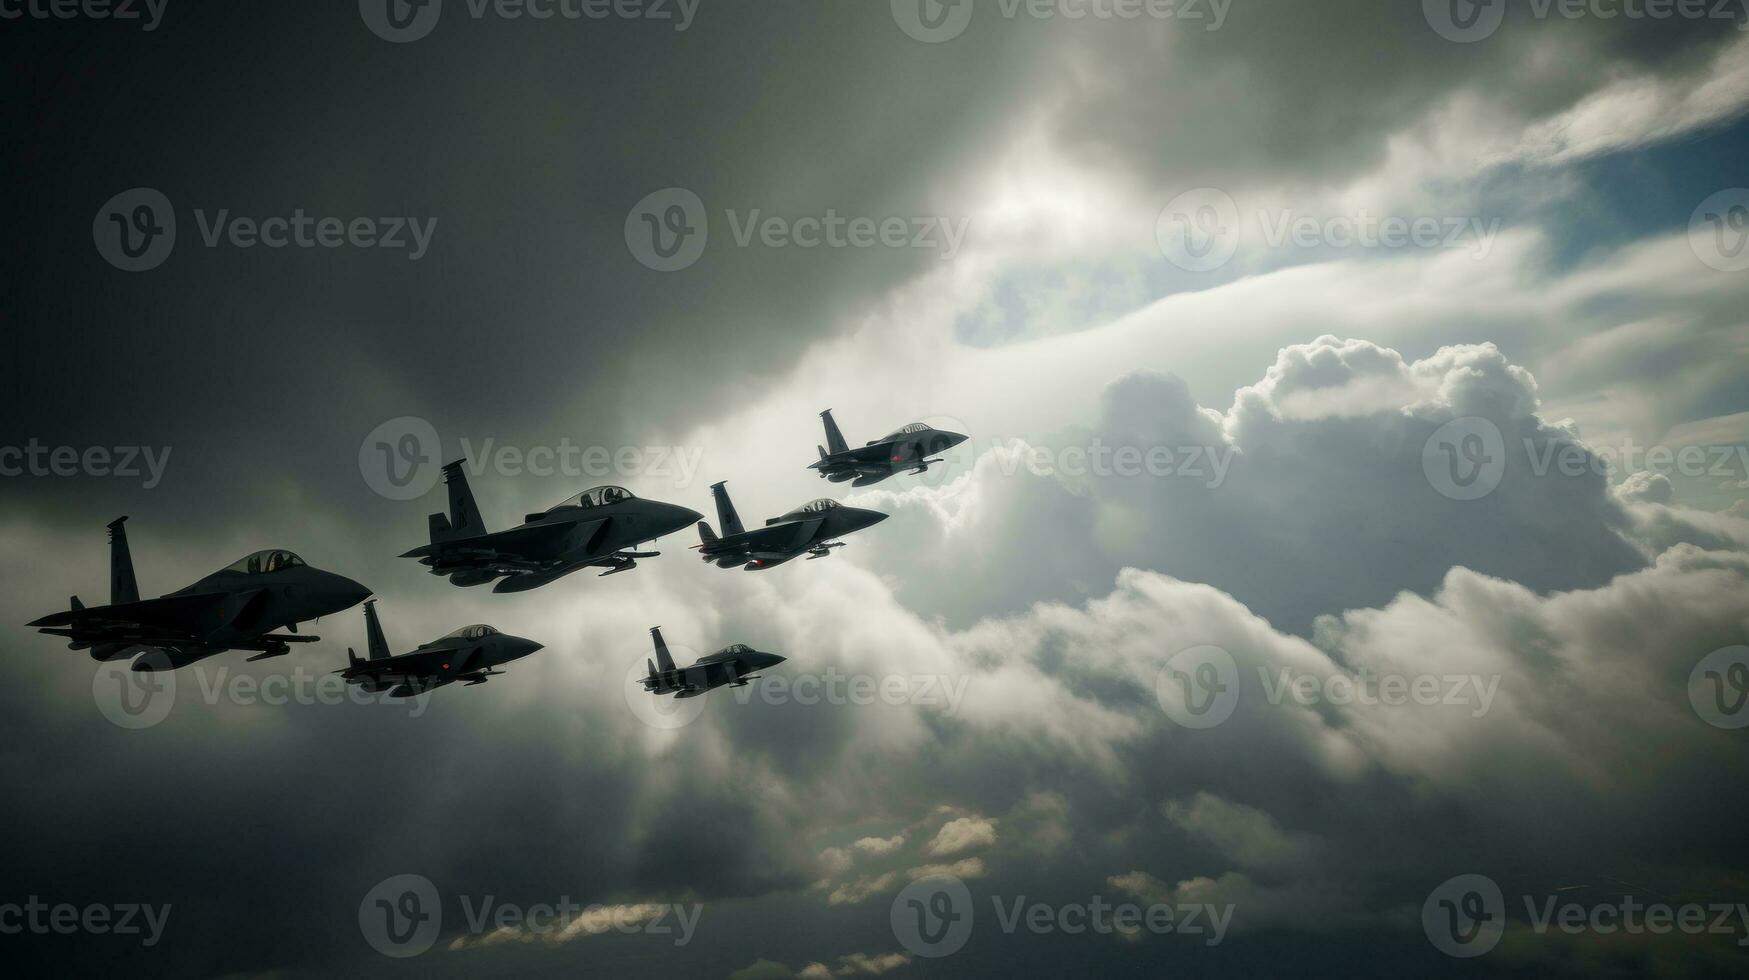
[663,660]
[376,645]
[463,520]
[122,585]
[834,439]
[726,515]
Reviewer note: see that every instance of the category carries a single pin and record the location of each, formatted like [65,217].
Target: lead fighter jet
[908,448]
[235,608]
[732,665]
[468,654]
[590,529]
[808,529]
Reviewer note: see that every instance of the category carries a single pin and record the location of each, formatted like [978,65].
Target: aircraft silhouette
[468,654]
[907,448]
[809,528]
[733,666]
[588,529]
[237,607]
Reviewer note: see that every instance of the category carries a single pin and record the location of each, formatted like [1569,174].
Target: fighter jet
[468,654]
[592,528]
[808,529]
[909,448]
[237,607]
[732,665]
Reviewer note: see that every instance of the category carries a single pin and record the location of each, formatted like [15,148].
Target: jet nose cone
[955,438]
[679,517]
[349,593]
[530,646]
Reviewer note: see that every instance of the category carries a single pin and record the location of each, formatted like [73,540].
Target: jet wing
[163,621]
[505,547]
[785,538]
[879,452]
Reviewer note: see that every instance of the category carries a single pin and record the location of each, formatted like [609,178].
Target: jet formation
[244,605]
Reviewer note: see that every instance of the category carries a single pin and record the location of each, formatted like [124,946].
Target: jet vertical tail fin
[706,536]
[122,585]
[463,520]
[375,644]
[834,439]
[663,660]
[726,515]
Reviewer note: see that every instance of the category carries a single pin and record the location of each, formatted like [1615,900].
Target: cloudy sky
[1350,556]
